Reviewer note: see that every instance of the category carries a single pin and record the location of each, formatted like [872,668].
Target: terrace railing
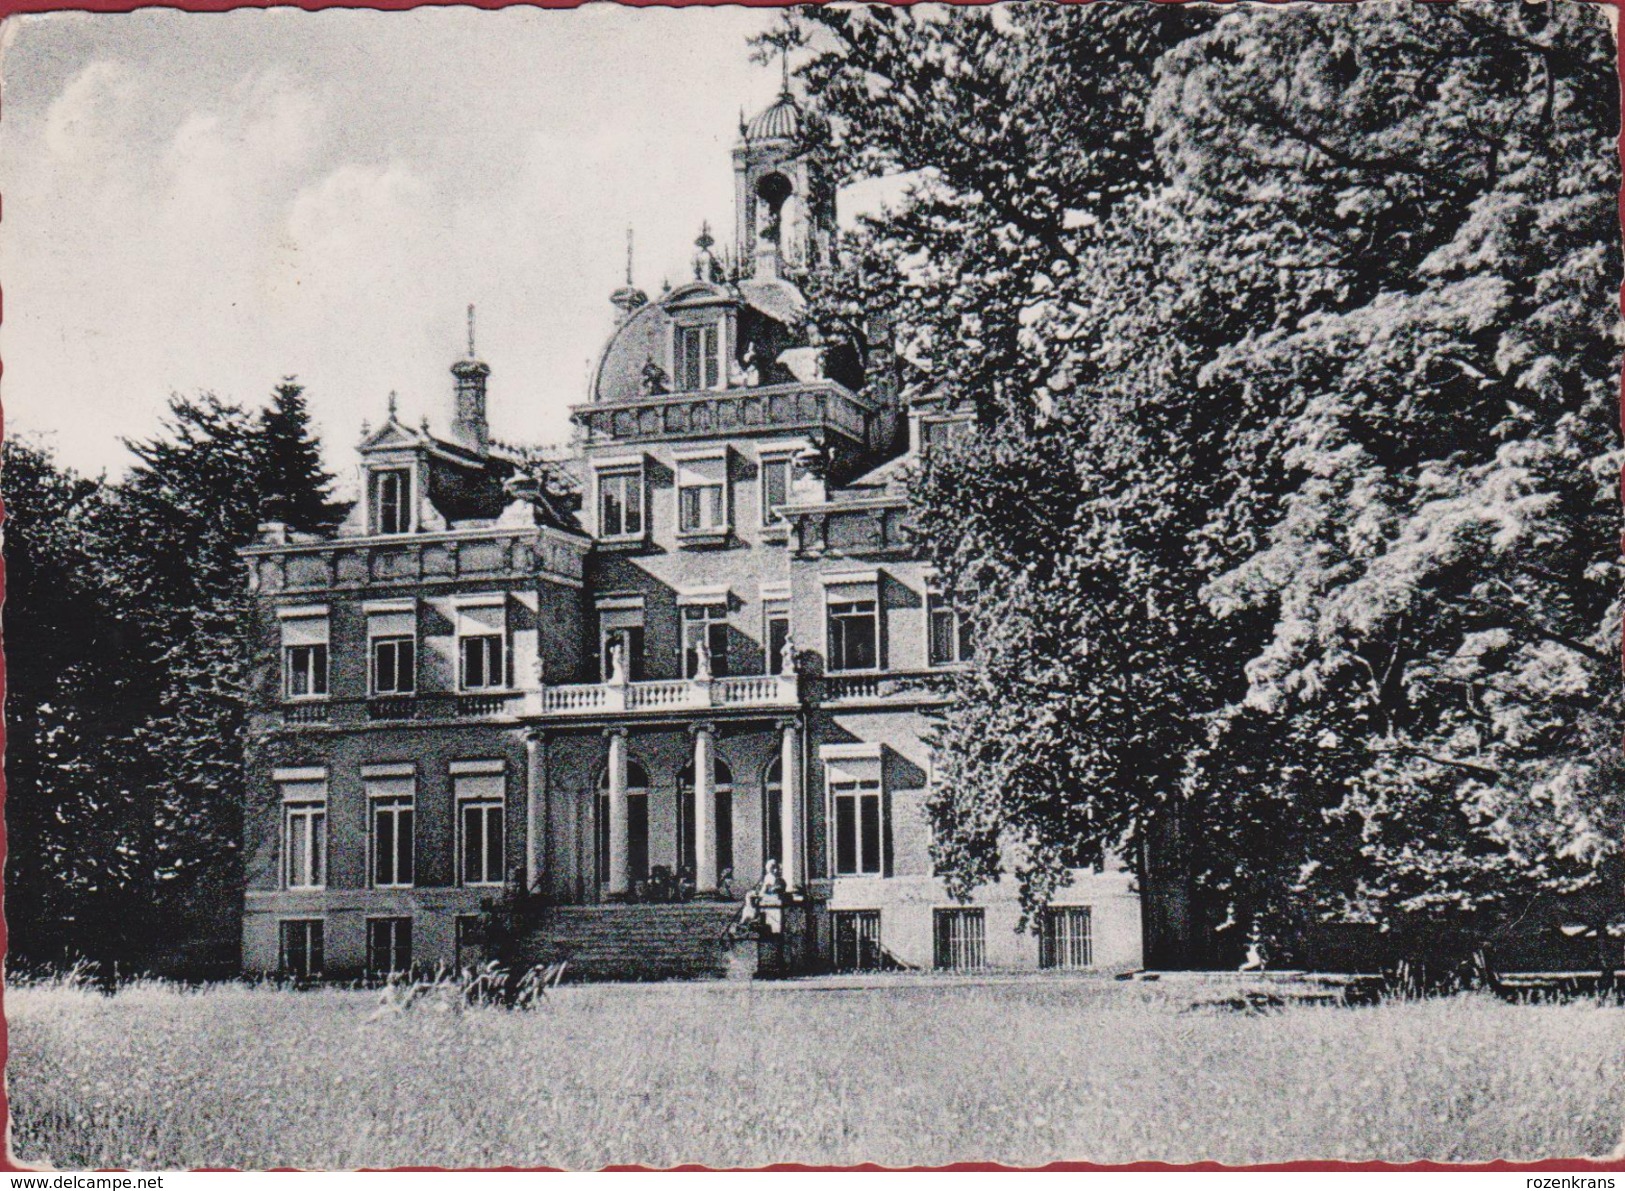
[598,698]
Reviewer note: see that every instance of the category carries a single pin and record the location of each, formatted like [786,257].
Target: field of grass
[730,1075]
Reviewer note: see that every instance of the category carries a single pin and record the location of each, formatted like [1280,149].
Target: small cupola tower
[783,208]
[469,426]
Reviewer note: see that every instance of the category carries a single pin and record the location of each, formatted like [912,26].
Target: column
[536,816]
[705,817]
[790,817]
[617,812]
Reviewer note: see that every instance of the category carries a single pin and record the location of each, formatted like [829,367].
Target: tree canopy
[1293,339]
[126,661]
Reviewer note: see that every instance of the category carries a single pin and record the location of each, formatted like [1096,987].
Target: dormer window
[696,359]
[391,500]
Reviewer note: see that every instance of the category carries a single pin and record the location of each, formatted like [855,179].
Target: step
[635,942]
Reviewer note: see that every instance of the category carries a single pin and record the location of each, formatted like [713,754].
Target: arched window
[723,781]
[773,812]
[637,823]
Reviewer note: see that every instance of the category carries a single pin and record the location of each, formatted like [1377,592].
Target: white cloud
[211,202]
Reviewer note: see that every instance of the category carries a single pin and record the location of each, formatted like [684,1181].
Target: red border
[8,1163]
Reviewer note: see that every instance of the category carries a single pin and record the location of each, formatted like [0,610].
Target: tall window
[302,943]
[698,362]
[857,827]
[722,814]
[637,824]
[950,632]
[707,623]
[305,836]
[481,637]
[392,636]
[479,828]
[777,636]
[857,939]
[853,635]
[306,667]
[304,653]
[392,841]
[620,503]
[1066,938]
[702,495]
[394,666]
[775,487]
[939,433]
[469,942]
[389,945]
[630,640]
[773,812]
[961,938]
[391,495]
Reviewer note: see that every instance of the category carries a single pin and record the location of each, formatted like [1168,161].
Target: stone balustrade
[411,559]
[599,698]
[812,405]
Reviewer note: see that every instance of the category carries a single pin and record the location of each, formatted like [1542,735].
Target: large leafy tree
[197,494]
[69,679]
[1437,427]
[1292,338]
[140,598]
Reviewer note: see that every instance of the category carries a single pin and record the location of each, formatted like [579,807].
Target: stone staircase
[635,942]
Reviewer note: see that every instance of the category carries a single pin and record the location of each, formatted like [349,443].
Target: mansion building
[700,646]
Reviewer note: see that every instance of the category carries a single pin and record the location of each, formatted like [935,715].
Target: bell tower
[784,210]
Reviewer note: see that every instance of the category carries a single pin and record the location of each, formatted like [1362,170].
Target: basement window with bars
[389,945]
[1066,938]
[961,939]
[856,940]
[302,942]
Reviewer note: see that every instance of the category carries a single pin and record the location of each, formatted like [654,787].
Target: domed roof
[781,121]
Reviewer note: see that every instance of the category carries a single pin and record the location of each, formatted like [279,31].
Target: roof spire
[392,402]
[784,69]
[471,331]
[629,256]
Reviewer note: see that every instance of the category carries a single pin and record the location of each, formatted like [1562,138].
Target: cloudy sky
[214,201]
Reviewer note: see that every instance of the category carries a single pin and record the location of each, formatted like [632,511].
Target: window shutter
[304,630]
[478,619]
[392,624]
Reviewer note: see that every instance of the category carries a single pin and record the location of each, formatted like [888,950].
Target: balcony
[397,709]
[813,405]
[680,694]
[929,686]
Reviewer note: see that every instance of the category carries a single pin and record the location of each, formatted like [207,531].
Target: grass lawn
[728,1075]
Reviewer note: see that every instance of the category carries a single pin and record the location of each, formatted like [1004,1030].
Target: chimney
[469,425]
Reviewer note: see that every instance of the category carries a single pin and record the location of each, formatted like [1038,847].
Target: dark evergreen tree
[295,487]
[132,599]
[69,678]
